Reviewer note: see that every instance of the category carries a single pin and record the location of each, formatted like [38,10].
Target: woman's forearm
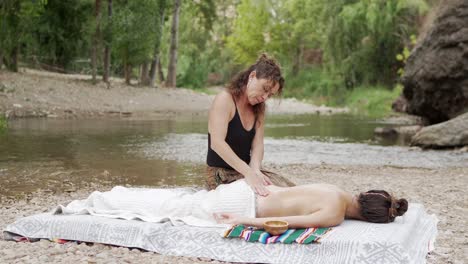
[227,154]
[256,158]
[257,150]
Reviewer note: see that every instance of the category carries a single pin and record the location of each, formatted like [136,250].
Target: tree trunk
[144,77]
[152,72]
[11,62]
[297,60]
[160,71]
[107,49]
[128,73]
[97,33]
[171,71]
[1,59]
[15,58]
[157,47]
[10,11]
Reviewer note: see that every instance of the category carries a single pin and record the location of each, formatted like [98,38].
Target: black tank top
[239,139]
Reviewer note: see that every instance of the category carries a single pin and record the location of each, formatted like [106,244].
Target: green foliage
[316,85]
[312,82]
[205,12]
[134,30]
[365,42]
[16,20]
[363,37]
[62,32]
[193,70]
[195,55]
[374,101]
[404,55]
[293,30]
[51,32]
[248,36]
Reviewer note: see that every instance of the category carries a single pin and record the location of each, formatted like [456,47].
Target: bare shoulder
[224,98]
[222,106]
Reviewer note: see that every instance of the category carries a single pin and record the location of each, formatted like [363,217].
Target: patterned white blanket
[407,240]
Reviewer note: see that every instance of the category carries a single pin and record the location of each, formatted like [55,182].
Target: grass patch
[319,87]
[373,101]
[315,85]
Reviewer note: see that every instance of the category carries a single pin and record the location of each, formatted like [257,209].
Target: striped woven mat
[300,236]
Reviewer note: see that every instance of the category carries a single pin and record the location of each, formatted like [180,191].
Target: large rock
[453,133]
[436,74]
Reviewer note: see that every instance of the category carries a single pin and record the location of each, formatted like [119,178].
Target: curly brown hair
[265,68]
[378,206]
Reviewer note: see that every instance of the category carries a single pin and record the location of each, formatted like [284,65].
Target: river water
[51,154]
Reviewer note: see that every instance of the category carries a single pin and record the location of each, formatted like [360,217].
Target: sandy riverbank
[32,93]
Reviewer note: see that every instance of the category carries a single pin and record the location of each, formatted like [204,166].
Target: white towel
[179,206]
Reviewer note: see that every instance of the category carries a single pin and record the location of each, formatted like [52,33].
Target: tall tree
[144,74]
[157,47]
[18,21]
[10,25]
[133,33]
[96,39]
[107,43]
[195,58]
[171,72]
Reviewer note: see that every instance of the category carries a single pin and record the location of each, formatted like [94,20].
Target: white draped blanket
[182,205]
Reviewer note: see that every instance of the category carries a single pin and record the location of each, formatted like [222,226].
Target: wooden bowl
[275,227]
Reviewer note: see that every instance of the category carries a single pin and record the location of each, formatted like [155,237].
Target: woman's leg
[215,176]
[277,179]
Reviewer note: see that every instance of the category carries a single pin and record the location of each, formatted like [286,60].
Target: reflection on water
[57,154]
[333,128]
[33,153]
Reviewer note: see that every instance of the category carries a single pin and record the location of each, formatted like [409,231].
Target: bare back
[301,200]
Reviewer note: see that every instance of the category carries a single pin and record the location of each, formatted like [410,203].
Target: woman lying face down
[320,205]
[312,205]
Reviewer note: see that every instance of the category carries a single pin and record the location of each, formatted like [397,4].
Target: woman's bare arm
[321,218]
[258,151]
[257,146]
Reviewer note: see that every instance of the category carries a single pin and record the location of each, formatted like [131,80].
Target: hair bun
[265,59]
[401,206]
[262,57]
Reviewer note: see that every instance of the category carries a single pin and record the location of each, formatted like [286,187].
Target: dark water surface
[50,154]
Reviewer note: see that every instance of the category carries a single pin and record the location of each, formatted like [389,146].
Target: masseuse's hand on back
[257,182]
[221,112]
[266,179]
